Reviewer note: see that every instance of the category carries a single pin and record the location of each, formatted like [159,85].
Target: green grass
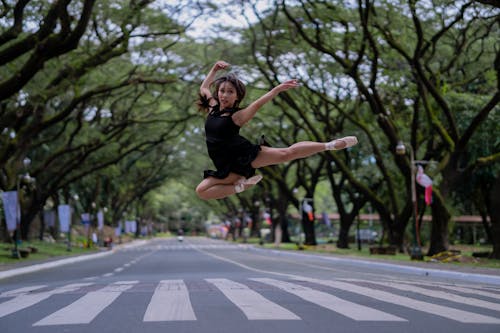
[45,251]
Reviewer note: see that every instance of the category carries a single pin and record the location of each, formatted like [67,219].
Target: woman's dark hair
[203,103]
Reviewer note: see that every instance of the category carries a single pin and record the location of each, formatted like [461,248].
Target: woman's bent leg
[214,188]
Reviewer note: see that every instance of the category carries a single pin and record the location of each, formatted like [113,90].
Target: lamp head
[400,148]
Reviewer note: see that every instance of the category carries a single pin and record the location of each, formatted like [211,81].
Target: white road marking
[253,305]
[384,296]
[170,302]
[331,302]
[86,308]
[472,291]
[21,291]
[27,300]
[436,294]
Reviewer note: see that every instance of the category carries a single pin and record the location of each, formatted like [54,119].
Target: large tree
[405,62]
[84,86]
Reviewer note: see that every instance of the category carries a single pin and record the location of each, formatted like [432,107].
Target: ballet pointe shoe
[243,183]
[342,143]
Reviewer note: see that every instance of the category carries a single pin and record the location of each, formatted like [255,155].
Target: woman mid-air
[235,158]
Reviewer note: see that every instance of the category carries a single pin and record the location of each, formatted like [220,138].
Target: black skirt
[235,156]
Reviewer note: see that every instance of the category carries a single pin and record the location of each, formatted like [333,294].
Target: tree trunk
[42,225]
[308,227]
[343,240]
[440,221]
[282,205]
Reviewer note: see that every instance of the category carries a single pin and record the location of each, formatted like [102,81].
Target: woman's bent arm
[205,86]
[242,117]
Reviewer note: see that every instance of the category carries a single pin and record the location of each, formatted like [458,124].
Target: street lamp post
[416,249]
[74,201]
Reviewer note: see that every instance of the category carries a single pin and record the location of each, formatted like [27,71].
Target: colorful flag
[307,208]
[426,182]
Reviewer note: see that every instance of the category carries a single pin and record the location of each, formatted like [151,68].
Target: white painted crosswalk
[331,302]
[435,309]
[253,305]
[184,247]
[171,300]
[85,309]
[26,300]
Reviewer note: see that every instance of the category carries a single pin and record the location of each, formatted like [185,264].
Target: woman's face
[227,95]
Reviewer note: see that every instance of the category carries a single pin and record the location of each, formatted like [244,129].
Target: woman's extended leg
[214,188]
[271,156]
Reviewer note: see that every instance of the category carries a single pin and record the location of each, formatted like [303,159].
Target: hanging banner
[49,217]
[100,220]
[85,218]
[118,231]
[64,212]
[130,227]
[326,219]
[11,209]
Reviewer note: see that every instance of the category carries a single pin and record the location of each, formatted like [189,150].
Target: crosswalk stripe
[251,303]
[19,291]
[472,291]
[346,308]
[178,247]
[170,301]
[436,294]
[26,300]
[86,308]
[434,309]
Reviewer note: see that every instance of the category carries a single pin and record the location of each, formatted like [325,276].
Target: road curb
[70,260]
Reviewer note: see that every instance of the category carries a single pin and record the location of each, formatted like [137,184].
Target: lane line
[251,303]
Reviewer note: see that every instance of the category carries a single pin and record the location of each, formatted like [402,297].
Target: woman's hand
[242,117]
[287,85]
[205,86]
[221,65]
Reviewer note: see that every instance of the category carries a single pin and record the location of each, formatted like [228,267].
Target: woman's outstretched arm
[205,86]
[242,117]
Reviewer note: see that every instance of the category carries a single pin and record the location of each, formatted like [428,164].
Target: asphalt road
[203,285]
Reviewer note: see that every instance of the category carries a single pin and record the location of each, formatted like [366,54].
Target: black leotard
[229,151]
